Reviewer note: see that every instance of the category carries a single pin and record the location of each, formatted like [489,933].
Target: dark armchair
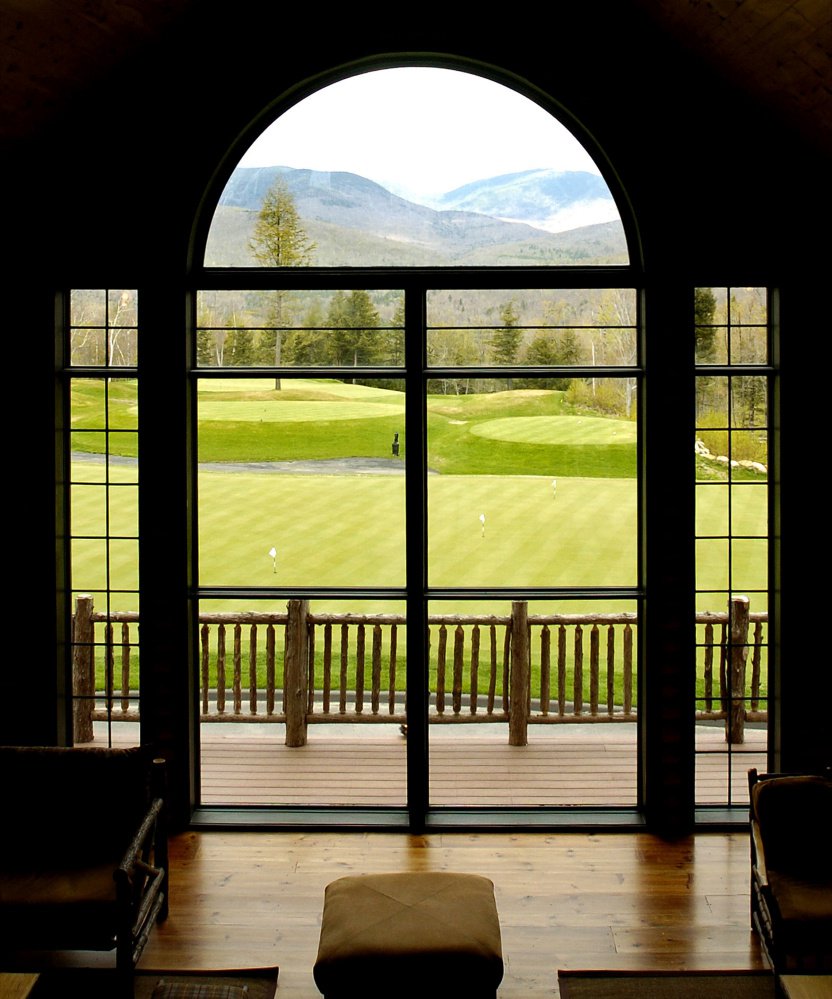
[83,853]
[791,869]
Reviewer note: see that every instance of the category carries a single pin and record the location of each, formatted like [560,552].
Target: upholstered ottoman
[429,934]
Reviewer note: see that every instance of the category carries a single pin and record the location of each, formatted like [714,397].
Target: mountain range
[511,220]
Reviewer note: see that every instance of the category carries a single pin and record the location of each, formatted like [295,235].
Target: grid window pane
[103,516]
[302,486]
[732,545]
[290,328]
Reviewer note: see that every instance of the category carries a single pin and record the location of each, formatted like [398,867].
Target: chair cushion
[794,814]
[431,933]
[66,909]
[798,901]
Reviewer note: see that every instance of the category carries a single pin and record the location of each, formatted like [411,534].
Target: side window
[733,425]
[102,442]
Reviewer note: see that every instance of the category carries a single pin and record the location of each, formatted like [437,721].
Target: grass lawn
[349,530]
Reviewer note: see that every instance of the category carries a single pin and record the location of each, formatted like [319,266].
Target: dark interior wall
[707,172]
[720,189]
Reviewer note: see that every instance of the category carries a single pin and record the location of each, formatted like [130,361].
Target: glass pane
[712,408]
[103,328]
[301,486]
[328,185]
[89,564]
[98,511]
[709,335]
[87,404]
[124,512]
[340,742]
[97,405]
[749,509]
[300,329]
[749,404]
[89,509]
[534,488]
[749,564]
[731,326]
[712,510]
[123,564]
[573,722]
[722,768]
[532,328]
[712,564]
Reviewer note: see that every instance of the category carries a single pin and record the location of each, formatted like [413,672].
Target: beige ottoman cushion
[403,934]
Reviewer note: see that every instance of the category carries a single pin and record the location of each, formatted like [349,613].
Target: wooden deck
[470,765]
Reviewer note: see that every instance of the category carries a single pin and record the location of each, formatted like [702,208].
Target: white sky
[418,131]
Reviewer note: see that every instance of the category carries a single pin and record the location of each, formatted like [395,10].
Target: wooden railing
[299,668]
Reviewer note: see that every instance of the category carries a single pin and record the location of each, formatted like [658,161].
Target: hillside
[356,221]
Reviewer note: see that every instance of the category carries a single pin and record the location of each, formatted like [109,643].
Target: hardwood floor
[566,900]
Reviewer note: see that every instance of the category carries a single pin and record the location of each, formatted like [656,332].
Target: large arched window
[417,366]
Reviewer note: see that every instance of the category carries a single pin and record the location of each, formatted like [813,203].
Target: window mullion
[416,551]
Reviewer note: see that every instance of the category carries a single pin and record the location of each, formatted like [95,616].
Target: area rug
[246,983]
[666,985]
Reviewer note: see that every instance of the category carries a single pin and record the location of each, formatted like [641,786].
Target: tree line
[360,328]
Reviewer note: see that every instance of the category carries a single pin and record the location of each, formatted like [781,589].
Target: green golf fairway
[349,530]
[528,494]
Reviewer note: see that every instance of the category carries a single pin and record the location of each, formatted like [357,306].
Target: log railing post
[270,669]
[475,669]
[459,651]
[205,665]
[518,717]
[296,672]
[735,715]
[83,670]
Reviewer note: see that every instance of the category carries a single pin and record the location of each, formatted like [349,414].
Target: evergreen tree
[552,348]
[353,319]
[307,345]
[279,240]
[238,348]
[704,310]
[505,341]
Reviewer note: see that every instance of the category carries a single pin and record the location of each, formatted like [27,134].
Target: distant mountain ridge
[547,199]
[354,220]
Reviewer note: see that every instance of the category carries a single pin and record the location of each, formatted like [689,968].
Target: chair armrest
[141,885]
[144,838]
[758,855]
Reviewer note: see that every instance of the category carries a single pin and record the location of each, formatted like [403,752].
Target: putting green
[557,430]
